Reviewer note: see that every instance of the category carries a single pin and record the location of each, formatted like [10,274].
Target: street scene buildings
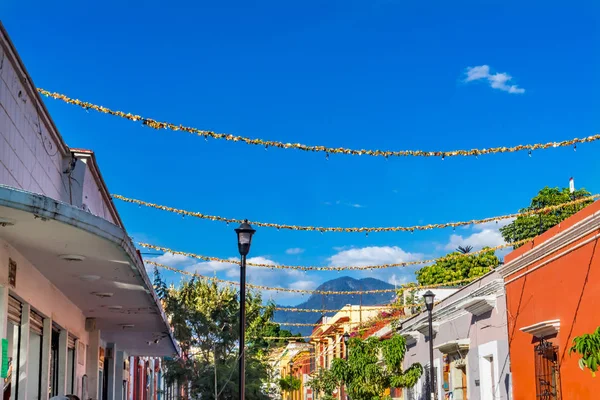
[77,309]
[87,312]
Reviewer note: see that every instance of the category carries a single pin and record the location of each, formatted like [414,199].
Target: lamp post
[244,234]
[428,297]
[346,340]
[291,377]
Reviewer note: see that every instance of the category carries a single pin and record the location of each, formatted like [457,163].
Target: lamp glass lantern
[244,233]
[346,337]
[428,296]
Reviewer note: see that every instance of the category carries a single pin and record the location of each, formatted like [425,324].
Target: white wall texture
[31,156]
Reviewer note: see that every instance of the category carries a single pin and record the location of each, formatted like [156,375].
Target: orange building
[553,295]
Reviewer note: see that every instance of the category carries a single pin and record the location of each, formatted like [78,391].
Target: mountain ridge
[334,302]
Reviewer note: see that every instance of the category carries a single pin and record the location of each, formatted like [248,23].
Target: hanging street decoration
[413,228]
[321,149]
[334,268]
[304,291]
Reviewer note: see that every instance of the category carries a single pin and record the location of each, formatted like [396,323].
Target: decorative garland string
[413,228]
[322,149]
[334,268]
[305,291]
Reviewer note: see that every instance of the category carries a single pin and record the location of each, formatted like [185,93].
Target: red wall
[567,288]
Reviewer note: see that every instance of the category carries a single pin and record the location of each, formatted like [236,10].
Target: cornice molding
[478,305]
[542,329]
[568,236]
[453,346]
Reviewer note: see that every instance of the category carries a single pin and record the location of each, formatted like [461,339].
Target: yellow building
[294,360]
[327,338]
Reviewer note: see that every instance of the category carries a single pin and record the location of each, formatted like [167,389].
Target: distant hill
[335,301]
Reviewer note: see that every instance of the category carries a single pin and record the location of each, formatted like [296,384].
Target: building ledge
[479,305]
[423,328]
[411,337]
[453,346]
[543,329]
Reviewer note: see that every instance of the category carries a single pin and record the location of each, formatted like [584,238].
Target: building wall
[33,156]
[34,289]
[484,332]
[561,283]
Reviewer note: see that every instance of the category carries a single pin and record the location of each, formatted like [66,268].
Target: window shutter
[14,310]
[71,341]
[36,323]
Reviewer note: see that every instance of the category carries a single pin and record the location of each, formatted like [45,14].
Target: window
[547,371]
[54,362]
[487,380]
[71,368]
[11,382]
[34,360]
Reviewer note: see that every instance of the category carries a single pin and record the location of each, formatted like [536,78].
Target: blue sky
[361,74]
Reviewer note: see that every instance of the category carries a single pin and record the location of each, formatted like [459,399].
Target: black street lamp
[244,234]
[346,337]
[291,364]
[428,296]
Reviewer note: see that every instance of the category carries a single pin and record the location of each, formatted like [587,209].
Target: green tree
[455,267]
[588,348]
[367,376]
[323,382]
[528,227]
[205,322]
[289,384]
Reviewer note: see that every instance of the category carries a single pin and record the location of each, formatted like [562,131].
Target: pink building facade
[75,299]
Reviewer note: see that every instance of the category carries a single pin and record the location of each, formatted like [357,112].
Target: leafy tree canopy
[323,382]
[455,267]
[588,348]
[289,384]
[528,227]
[205,321]
[367,376]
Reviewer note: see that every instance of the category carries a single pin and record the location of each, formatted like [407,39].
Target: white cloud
[287,278]
[304,285]
[171,259]
[498,80]
[372,256]
[398,280]
[294,250]
[484,235]
[344,203]
[476,73]
[478,240]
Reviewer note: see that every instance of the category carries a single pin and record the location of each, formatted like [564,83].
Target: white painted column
[119,360]
[46,350]
[132,368]
[109,369]
[3,311]
[77,379]
[152,379]
[23,353]
[63,354]
[92,364]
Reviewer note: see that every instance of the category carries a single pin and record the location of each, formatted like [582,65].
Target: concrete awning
[543,329]
[453,346]
[411,337]
[479,305]
[88,258]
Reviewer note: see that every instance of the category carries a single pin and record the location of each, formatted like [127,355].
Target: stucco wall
[33,288]
[488,328]
[562,284]
[32,157]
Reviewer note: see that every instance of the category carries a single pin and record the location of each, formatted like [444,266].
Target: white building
[75,299]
